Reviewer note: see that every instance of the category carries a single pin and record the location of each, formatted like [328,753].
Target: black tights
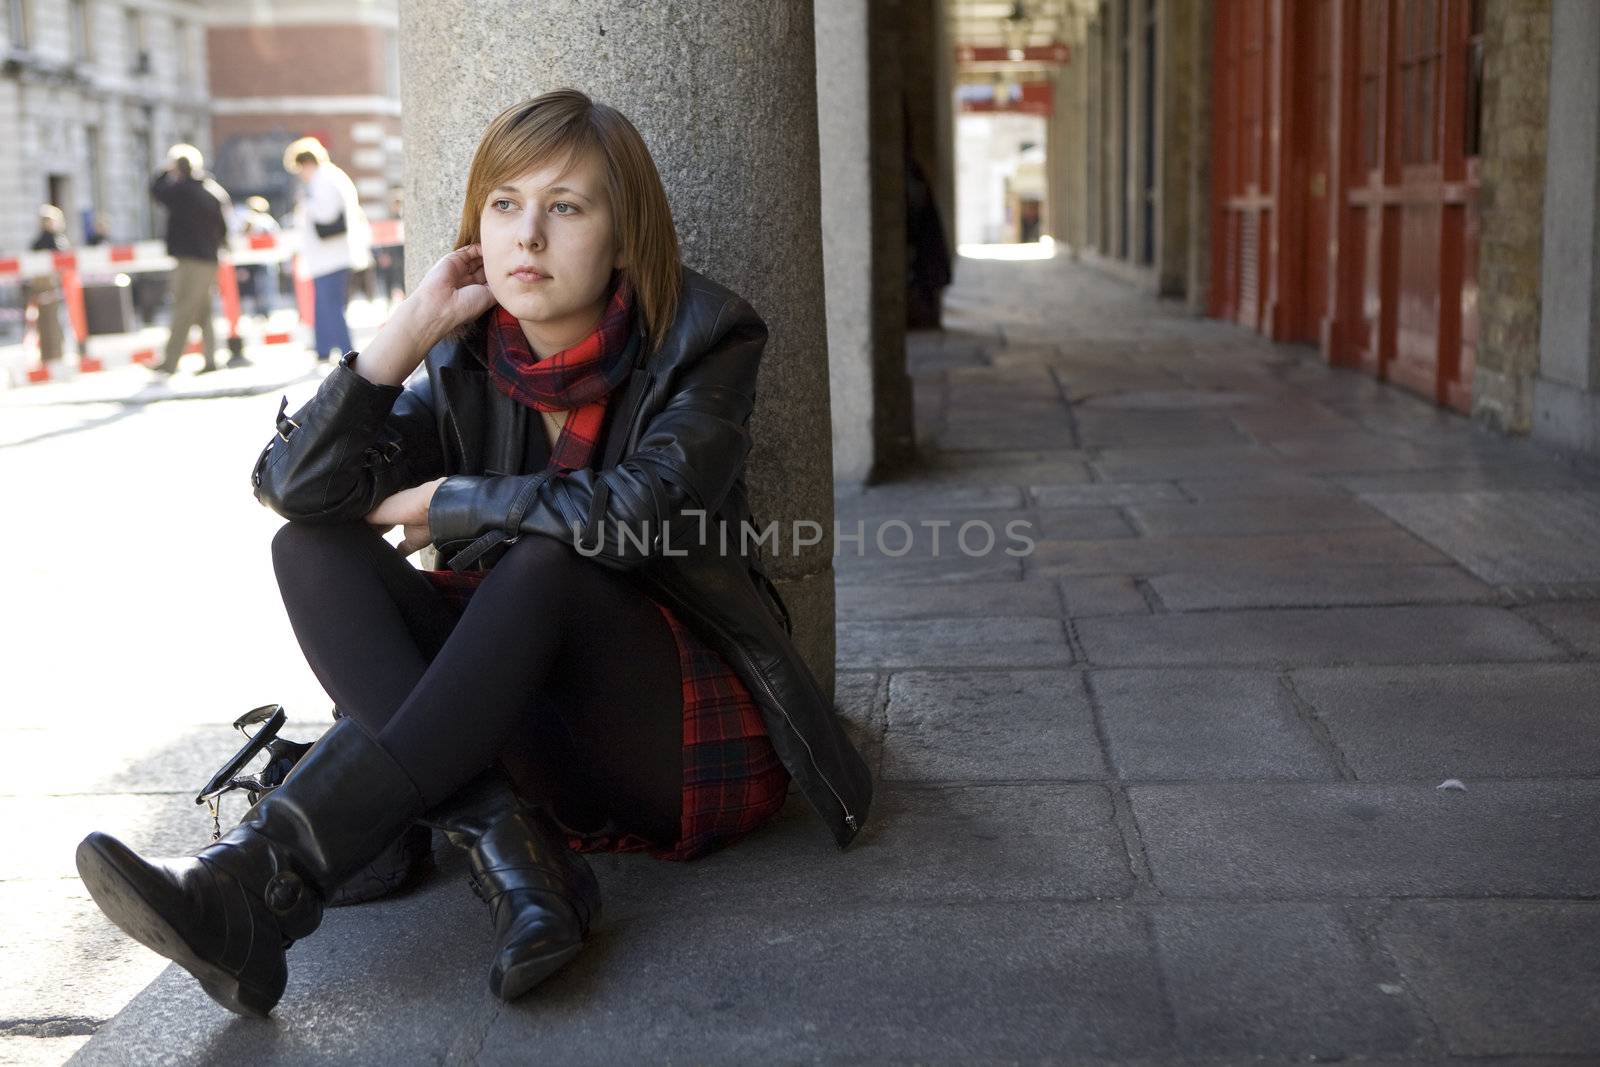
[557,660]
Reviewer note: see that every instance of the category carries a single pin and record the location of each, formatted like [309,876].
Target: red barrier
[228,286]
[305,294]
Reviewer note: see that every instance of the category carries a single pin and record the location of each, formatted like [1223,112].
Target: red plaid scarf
[576,380]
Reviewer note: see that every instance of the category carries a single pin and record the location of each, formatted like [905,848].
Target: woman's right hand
[453,292]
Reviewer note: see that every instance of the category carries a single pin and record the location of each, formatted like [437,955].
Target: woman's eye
[561,207]
[502,204]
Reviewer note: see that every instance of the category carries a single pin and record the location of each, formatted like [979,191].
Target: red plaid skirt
[733,781]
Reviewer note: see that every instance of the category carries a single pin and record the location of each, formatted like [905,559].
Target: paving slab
[947,567]
[1254,516]
[1313,840]
[856,602]
[1473,478]
[1317,585]
[1466,722]
[43,832]
[1081,524]
[1181,725]
[1100,494]
[1506,537]
[1334,636]
[1140,429]
[1203,461]
[896,497]
[1273,486]
[1078,983]
[1576,622]
[1102,594]
[1145,556]
[67,968]
[973,434]
[1503,978]
[1020,467]
[997,842]
[938,533]
[1290,980]
[954,726]
[990,642]
[856,696]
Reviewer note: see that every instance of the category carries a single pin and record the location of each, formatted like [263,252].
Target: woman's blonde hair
[561,126]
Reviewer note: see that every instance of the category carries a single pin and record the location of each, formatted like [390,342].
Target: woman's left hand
[407,508]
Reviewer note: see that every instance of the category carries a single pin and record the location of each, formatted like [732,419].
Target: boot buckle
[283,893]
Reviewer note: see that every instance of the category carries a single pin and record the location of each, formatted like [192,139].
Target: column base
[1566,417]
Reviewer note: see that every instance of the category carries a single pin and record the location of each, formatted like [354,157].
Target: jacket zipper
[849,819]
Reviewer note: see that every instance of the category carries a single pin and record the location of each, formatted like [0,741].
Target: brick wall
[1515,106]
[320,60]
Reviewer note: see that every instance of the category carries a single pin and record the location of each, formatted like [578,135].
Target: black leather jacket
[674,444]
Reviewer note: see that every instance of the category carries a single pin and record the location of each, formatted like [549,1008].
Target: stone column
[1566,397]
[1197,283]
[862,135]
[927,66]
[1516,82]
[1175,88]
[725,96]
[1058,153]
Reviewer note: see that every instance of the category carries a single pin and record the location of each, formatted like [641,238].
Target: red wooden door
[1272,127]
[1405,297]
[1242,185]
[1311,145]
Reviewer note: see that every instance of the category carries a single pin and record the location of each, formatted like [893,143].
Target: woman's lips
[528,274]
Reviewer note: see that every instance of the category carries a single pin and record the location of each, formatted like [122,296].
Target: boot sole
[512,982]
[103,864]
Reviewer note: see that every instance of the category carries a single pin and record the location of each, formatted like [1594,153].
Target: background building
[282,70]
[92,93]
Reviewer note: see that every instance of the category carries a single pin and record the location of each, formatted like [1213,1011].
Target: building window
[19,23]
[138,49]
[391,64]
[186,51]
[78,27]
[97,176]
[1373,13]
[1421,48]
[1472,140]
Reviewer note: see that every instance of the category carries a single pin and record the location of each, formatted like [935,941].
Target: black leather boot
[227,914]
[543,898]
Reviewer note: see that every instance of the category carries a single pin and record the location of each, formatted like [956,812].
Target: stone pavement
[1165,789]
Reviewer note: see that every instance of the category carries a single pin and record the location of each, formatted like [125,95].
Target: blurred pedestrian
[392,259]
[197,227]
[258,281]
[335,239]
[96,232]
[43,291]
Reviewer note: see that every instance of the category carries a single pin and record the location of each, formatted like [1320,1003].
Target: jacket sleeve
[161,187]
[688,457]
[354,444]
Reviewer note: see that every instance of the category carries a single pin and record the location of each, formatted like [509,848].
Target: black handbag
[330,229]
[399,865]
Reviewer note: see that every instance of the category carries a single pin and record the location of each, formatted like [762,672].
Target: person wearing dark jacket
[603,665]
[197,226]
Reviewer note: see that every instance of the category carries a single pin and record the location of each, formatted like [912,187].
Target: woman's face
[548,250]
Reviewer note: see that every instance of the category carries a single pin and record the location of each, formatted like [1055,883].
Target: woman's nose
[532,233]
